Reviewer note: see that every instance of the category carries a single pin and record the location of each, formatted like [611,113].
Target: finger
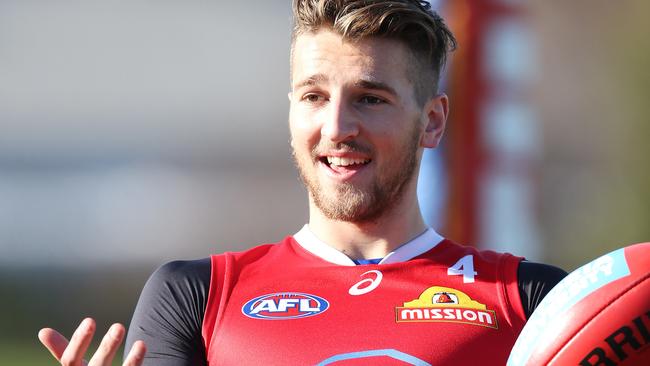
[109,345]
[53,341]
[74,353]
[136,355]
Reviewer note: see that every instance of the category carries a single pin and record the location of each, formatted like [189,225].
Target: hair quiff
[412,22]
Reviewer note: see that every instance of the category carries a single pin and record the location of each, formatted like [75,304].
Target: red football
[598,315]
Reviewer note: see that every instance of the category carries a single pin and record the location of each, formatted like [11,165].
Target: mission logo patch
[444,304]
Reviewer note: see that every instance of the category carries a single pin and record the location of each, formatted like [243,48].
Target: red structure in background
[472,88]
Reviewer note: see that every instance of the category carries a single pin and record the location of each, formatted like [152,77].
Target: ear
[289,95]
[435,114]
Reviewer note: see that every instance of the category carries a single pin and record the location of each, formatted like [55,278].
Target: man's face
[356,128]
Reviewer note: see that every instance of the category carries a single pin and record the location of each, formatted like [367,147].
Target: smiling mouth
[341,163]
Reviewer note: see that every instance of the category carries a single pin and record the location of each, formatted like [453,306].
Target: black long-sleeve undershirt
[169,314]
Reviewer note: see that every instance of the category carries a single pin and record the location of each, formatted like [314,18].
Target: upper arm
[169,314]
[535,280]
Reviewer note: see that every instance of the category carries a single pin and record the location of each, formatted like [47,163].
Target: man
[365,281]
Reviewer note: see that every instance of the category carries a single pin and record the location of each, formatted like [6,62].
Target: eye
[371,99]
[313,98]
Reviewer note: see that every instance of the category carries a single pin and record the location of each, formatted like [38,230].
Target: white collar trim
[420,244]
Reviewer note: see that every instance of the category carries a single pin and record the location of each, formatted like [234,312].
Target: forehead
[335,59]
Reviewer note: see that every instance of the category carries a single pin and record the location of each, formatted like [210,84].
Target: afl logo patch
[284,305]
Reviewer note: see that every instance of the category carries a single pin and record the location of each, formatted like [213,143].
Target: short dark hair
[412,22]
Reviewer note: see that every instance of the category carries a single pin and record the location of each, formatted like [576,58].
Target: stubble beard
[350,203]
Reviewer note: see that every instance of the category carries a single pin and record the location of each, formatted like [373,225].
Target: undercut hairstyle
[411,22]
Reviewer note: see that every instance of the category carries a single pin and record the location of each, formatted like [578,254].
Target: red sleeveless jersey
[301,302]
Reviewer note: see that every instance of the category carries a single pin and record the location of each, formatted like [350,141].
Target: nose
[340,123]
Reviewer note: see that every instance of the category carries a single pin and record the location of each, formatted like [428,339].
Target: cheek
[398,141]
[301,148]
[303,133]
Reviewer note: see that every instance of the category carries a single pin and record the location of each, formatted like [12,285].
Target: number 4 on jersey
[465,267]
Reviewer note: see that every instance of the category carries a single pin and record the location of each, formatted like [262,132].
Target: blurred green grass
[59,298]
[24,354]
[31,353]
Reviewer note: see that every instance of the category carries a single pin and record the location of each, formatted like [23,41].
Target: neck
[367,240]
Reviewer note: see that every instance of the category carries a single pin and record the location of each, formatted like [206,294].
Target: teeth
[334,160]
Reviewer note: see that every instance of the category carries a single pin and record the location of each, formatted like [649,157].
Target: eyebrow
[375,85]
[362,83]
[311,81]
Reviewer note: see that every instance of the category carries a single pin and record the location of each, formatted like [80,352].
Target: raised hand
[71,353]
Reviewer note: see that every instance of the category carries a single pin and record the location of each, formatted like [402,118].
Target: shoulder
[547,274]
[181,275]
[538,276]
[181,271]
[526,270]
[249,256]
[182,267]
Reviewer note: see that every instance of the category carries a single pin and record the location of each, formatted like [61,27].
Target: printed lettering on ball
[284,305]
[598,315]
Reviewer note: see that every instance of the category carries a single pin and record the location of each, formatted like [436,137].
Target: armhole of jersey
[508,271]
[213,305]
